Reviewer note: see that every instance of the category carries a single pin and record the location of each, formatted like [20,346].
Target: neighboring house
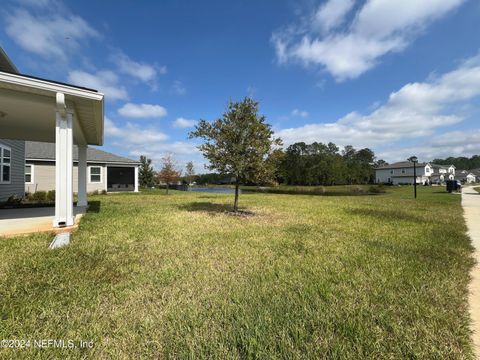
[402,173]
[466,176]
[105,171]
[442,173]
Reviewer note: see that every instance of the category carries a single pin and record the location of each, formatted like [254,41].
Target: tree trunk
[235,204]
[167,188]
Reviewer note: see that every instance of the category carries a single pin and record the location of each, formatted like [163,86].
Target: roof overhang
[28,105]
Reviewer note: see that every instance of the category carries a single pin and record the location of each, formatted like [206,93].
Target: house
[442,173]
[105,171]
[402,173]
[36,109]
[466,176]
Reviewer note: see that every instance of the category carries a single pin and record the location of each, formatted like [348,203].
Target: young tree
[239,144]
[146,174]
[168,173]
[189,172]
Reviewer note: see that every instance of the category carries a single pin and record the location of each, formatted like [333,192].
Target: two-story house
[402,173]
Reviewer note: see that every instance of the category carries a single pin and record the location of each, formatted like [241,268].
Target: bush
[376,189]
[104,192]
[39,196]
[13,199]
[357,189]
[51,195]
[95,192]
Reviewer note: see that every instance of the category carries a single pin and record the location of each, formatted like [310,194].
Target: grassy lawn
[307,276]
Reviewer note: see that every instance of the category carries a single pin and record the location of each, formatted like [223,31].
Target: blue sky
[401,77]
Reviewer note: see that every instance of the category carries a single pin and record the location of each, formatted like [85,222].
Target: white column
[82,175]
[63,165]
[136,179]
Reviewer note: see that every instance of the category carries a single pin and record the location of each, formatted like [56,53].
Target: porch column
[82,175]
[63,165]
[136,179]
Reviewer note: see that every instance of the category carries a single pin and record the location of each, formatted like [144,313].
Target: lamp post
[414,159]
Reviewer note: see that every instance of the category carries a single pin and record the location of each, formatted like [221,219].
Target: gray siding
[44,177]
[17,183]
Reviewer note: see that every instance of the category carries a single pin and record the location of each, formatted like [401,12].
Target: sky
[401,77]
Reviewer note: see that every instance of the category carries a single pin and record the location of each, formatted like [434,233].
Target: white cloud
[104,81]
[183,123]
[50,36]
[139,140]
[453,143]
[378,28]
[178,88]
[142,111]
[299,113]
[140,70]
[414,111]
[133,135]
[332,14]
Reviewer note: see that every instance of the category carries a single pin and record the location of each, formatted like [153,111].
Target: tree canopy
[146,175]
[240,144]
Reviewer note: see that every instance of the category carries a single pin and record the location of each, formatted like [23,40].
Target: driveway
[471,211]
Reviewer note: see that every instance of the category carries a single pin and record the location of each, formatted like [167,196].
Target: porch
[31,220]
[36,109]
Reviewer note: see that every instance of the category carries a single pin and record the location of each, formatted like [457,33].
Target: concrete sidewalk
[471,212]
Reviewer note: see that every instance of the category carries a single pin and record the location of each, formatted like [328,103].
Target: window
[403,171]
[427,170]
[28,173]
[5,164]
[95,174]
[391,172]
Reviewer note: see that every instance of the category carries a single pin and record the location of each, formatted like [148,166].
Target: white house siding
[44,177]
[402,175]
[17,170]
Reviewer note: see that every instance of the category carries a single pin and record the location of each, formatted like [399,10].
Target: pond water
[214,190]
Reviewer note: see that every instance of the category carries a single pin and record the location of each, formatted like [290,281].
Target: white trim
[90,162]
[2,147]
[32,174]
[48,86]
[136,179]
[90,174]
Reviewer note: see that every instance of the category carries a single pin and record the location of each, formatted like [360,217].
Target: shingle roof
[401,164]
[46,151]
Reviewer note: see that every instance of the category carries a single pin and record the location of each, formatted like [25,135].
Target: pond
[215,190]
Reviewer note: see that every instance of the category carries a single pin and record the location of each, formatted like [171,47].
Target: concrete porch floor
[31,220]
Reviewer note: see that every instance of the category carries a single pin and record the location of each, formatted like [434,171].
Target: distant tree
[189,172]
[380,163]
[239,144]
[146,174]
[168,173]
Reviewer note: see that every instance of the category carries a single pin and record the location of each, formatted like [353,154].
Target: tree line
[461,162]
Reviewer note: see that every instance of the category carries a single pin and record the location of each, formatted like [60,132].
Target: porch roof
[28,105]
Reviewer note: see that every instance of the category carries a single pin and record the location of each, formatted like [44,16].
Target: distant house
[402,173]
[466,176]
[442,173]
[105,171]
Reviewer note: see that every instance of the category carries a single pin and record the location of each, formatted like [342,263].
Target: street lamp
[414,159]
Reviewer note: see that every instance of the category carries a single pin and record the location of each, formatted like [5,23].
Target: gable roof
[401,164]
[35,150]
[440,166]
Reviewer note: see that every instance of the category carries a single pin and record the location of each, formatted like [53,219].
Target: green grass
[150,275]
[477,189]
